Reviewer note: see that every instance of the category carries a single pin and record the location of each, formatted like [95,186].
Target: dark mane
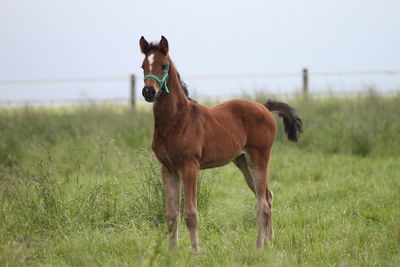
[184,87]
[153,47]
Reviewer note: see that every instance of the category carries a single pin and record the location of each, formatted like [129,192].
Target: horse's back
[250,112]
[256,121]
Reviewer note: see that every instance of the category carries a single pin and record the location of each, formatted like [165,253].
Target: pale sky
[62,39]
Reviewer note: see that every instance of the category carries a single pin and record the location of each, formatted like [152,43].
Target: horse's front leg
[171,183]
[189,172]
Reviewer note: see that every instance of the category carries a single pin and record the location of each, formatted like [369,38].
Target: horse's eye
[164,66]
[142,67]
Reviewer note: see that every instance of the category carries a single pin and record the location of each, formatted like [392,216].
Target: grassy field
[80,187]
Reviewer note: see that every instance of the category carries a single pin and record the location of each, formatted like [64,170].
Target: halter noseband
[162,82]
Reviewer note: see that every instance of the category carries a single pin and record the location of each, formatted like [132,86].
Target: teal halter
[162,82]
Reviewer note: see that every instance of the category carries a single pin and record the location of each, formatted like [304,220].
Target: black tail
[292,122]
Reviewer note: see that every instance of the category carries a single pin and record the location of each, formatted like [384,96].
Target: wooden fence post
[305,81]
[133,91]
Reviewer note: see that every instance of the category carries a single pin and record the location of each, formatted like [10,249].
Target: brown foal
[189,137]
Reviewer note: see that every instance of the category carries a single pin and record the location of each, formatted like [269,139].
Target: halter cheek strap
[162,83]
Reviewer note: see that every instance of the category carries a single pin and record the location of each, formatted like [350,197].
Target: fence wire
[202,77]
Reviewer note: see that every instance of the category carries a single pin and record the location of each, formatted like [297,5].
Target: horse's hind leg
[270,229]
[257,160]
[241,163]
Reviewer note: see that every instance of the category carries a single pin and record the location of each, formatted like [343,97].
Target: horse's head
[155,68]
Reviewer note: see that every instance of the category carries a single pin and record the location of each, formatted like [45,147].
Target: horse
[189,137]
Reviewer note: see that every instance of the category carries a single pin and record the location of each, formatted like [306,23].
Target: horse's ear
[144,45]
[164,45]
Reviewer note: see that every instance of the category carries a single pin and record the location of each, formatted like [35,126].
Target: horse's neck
[170,107]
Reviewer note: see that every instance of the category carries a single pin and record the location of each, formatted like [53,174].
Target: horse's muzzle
[149,93]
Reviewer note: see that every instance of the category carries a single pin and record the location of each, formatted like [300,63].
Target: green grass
[80,186]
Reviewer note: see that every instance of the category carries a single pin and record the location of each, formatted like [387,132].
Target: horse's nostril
[151,90]
[148,89]
[149,93]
